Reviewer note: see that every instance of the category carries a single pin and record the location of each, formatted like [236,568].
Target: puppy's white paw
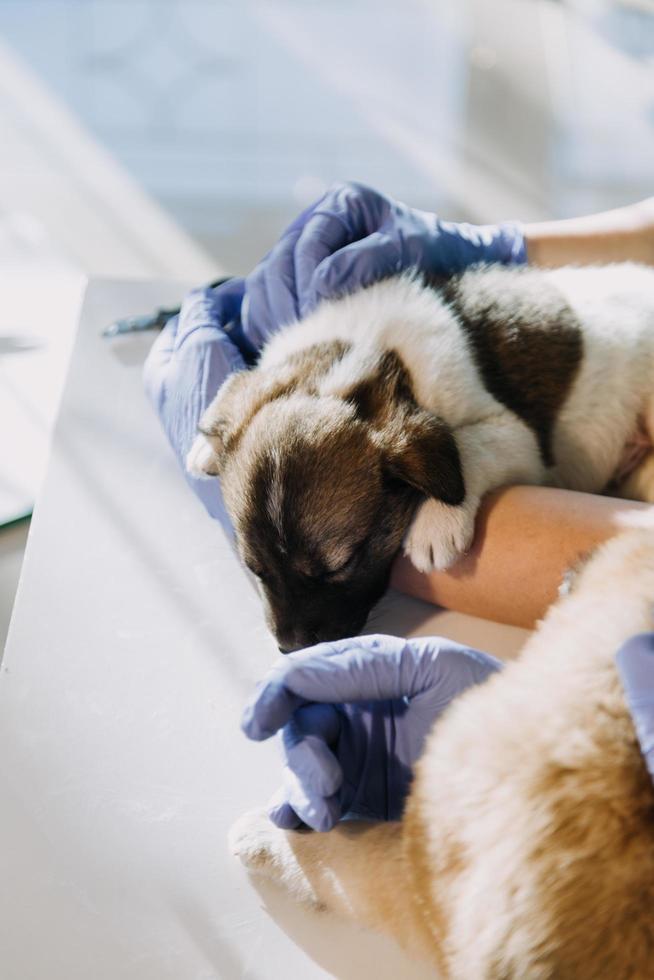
[265,850]
[258,844]
[201,459]
[439,535]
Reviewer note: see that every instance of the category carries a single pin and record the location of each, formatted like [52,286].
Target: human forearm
[526,538]
[622,235]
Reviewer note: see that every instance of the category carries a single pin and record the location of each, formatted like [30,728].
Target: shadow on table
[19,344]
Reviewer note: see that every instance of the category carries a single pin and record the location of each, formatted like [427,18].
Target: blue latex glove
[354,715]
[188,362]
[635,663]
[354,236]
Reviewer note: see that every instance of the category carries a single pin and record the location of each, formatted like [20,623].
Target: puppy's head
[321,478]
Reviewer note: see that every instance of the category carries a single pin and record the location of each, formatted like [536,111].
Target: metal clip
[135,324]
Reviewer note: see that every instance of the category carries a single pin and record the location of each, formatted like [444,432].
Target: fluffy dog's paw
[259,845]
[439,535]
[201,459]
[266,851]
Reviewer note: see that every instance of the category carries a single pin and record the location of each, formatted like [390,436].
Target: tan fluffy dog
[527,847]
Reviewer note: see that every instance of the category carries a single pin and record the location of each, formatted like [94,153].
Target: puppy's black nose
[301,639]
[290,647]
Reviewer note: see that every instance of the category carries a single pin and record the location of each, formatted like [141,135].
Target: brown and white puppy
[397,408]
[321,490]
[527,845]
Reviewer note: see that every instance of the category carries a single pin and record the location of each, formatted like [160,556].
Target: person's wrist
[458,245]
[511,243]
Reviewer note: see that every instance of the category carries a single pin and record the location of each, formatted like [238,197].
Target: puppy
[397,408]
[527,845]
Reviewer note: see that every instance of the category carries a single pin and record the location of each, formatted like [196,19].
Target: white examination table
[134,642]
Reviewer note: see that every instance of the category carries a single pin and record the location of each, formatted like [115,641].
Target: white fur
[613,388]
[200,457]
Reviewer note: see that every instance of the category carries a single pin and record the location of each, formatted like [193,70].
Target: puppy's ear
[245,392]
[418,447]
[234,404]
[378,393]
[238,399]
[422,453]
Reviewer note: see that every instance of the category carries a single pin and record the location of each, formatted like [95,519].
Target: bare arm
[623,235]
[526,538]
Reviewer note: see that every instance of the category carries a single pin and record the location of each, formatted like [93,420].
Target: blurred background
[176,138]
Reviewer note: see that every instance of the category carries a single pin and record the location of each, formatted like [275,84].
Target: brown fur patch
[377,394]
[419,448]
[312,495]
[528,354]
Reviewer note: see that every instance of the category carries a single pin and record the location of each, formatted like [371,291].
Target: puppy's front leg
[356,870]
[497,452]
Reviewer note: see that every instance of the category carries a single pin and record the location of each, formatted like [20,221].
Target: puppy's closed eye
[344,567]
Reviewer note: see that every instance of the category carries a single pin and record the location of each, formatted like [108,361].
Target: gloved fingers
[360,208]
[305,746]
[297,224]
[318,812]
[635,663]
[182,373]
[270,707]
[165,341]
[180,384]
[278,290]
[228,297]
[360,669]
[282,813]
[348,213]
[380,667]
[366,668]
[355,266]
[308,730]
[314,765]
[455,669]
[322,720]
[193,347]
[157,363]
[274,702]
[271,292]
[212,359]
[325,233]
[229,300]
[210,309]
[203,357]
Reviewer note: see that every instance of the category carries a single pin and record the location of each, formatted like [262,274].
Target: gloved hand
[354,236]
[635,663]
[188,362]
[354,715]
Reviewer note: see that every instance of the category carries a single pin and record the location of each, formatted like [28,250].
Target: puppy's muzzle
[298,638]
